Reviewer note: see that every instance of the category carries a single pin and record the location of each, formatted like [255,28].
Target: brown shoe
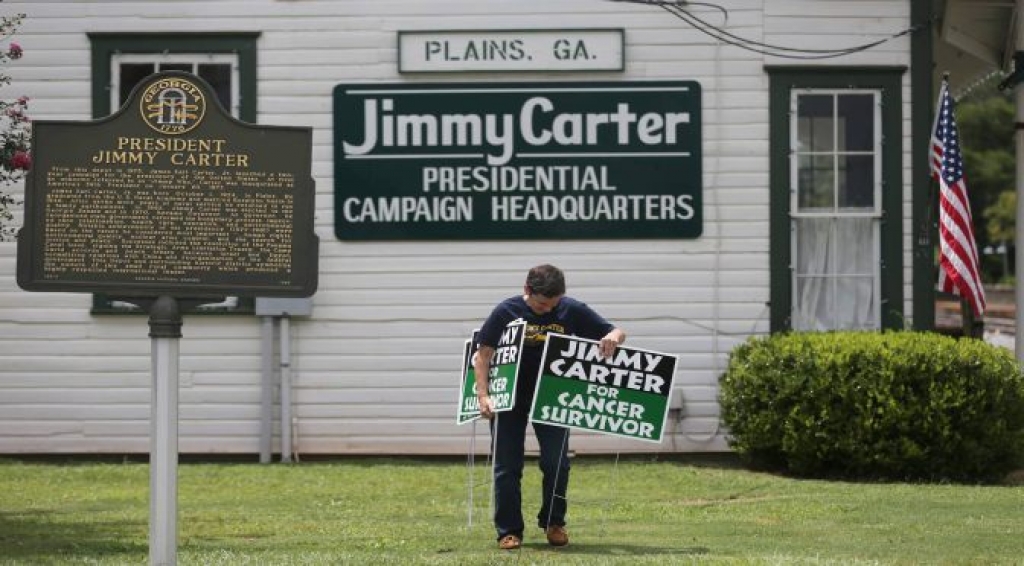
[510,542]
[557,535]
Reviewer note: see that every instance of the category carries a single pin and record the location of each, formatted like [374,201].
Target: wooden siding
[375,369]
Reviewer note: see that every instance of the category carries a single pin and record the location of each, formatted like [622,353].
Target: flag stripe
[958,251]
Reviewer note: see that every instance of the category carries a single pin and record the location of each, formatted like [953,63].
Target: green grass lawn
[409,511]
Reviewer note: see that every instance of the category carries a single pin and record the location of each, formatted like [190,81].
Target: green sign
[626,395]
[472,161]
[170,195]
[469,408]
[504,370]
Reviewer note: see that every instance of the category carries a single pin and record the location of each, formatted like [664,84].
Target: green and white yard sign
[504,370]
[625,395]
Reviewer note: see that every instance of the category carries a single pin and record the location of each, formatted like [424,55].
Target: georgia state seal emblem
[172,105]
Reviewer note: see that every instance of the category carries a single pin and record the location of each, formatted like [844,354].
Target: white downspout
[286,390]
[266,388]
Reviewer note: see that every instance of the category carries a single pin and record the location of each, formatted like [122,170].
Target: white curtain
[834,277]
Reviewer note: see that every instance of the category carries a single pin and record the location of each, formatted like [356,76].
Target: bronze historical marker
[170,196]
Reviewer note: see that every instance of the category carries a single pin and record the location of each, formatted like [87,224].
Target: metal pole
[286,392]
[491,505]
[165,331]
[266,389]
[470,468]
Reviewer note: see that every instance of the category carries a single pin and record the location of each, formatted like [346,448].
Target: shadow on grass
[619,550]
[36,535]
[715,460]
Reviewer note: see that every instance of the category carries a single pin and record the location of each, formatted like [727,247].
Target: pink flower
[15,51]
[21,160]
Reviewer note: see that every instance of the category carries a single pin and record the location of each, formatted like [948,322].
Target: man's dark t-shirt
[570,317]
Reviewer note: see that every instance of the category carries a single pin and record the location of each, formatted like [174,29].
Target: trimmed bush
[865,405]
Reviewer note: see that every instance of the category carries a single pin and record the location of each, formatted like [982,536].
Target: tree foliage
[986,122]
[1001,218]
[15,128]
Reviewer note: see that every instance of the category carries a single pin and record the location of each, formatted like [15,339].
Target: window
[220,70]
[226,61]
[835,209]
[836,255]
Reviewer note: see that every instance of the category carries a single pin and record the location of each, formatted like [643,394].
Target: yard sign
[504,370]
[624,395]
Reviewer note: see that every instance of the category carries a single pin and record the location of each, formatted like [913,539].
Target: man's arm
[482,370]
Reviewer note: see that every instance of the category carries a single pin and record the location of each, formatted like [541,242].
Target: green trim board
[888,81]
[925,199]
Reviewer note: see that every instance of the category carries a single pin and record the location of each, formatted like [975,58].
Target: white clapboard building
[797,196]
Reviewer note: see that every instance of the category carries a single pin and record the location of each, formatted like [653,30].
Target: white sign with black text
[510,50]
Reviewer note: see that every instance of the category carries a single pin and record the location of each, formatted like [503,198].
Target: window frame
[875,151]
[837,212]
[177,57]
[105,46]
[888,82]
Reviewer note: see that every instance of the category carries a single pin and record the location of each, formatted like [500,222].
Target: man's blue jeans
[508,432]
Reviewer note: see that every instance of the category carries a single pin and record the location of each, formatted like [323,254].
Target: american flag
[958,252]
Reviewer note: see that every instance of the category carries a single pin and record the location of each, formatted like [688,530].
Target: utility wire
[773,50]
[691,18]
[675,7]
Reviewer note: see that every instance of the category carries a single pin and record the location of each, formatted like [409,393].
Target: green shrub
[893,405]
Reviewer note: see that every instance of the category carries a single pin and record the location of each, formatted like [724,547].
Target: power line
[675,7]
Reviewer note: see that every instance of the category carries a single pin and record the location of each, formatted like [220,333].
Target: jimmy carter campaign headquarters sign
[575,160]
[625,395]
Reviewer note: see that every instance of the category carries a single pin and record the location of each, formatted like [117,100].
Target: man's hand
[611,341]
[481,367]
[486,406]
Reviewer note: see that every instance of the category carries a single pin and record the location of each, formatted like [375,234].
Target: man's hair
[546,280]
